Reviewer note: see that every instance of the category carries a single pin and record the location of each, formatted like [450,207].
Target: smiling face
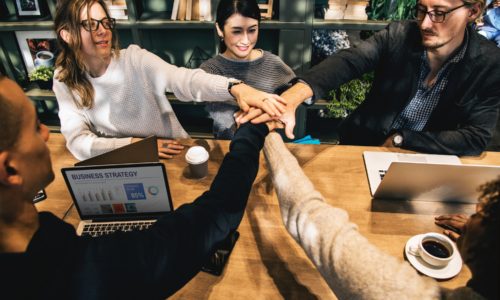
[240,36]
[449,34]
[96,44]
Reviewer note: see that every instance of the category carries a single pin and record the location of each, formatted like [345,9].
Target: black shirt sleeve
[155,263]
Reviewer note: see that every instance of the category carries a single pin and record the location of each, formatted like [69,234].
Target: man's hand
[168,148]
[454,224]
[388,142]
[247,97]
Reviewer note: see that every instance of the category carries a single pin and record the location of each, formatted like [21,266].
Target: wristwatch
[397,140]
[232,82]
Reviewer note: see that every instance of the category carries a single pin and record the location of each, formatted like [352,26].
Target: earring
[221,38]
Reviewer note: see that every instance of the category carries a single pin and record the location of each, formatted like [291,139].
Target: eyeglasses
[93,24]
[436,16]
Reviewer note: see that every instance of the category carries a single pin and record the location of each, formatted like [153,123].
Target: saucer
[449,271]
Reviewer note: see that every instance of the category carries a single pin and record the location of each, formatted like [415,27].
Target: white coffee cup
[44,58]
[197,158]
[434,248]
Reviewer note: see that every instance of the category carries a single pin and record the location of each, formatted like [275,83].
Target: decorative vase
[44,85]
[356,10]
[335,10]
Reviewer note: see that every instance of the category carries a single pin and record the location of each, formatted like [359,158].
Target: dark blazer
[464,119]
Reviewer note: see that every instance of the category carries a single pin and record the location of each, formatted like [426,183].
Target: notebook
[425,177]
[122,196]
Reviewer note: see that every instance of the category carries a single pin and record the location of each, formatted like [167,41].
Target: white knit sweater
[350,264]
[130,102]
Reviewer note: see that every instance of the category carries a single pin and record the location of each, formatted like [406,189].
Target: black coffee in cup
[436,249]
[44,56]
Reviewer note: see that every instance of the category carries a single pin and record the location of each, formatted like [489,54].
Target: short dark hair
[489,210]
[489,202]
[227,8]
[10,121]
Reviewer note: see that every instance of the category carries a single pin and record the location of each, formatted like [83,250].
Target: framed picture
[38,48]
[28,8]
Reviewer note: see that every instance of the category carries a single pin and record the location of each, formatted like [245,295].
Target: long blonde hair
[70,64]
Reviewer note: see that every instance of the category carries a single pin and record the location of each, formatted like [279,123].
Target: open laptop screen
[119,192]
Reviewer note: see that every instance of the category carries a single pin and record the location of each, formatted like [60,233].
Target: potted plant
[391,9]
[348,96]
[42,75]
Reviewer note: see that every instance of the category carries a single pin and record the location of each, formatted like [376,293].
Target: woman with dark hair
[237,26]
[109,96]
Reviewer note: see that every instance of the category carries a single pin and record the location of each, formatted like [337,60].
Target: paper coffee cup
[197,158]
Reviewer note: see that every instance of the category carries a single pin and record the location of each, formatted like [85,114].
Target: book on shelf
[199,10]
[117,9]
[175,10]
[189,9]
[205,10]
[195,15]
[181,16]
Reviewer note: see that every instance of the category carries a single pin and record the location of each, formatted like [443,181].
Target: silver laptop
[425,177]
[118,197]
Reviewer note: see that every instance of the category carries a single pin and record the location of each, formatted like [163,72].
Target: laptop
[123,189]
[145,150]
[425,177]
[118,197]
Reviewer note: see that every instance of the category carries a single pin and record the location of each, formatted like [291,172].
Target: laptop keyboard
[381,173]
[99,229]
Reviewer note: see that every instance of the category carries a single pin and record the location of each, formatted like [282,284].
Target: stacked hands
[255,106]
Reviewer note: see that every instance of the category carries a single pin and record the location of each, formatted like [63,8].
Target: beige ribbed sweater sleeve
[352,267]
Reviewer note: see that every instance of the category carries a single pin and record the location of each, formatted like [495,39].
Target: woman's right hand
[168,148]
[248,97]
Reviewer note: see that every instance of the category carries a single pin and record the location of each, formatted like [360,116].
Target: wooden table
[266,262]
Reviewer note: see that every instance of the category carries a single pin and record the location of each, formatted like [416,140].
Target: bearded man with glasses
[436,86]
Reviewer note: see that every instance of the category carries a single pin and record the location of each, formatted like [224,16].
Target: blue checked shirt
[418,111]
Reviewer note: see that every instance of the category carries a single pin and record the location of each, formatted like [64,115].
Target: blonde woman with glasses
[109,97]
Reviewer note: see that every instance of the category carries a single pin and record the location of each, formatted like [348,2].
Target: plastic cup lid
[196,155]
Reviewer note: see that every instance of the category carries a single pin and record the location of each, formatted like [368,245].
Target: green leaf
[41,73]
[348,96]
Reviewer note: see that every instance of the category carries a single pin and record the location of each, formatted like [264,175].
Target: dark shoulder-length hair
[227,8]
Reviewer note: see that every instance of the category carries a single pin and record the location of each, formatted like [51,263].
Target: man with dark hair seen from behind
[41,257]
[436,87]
